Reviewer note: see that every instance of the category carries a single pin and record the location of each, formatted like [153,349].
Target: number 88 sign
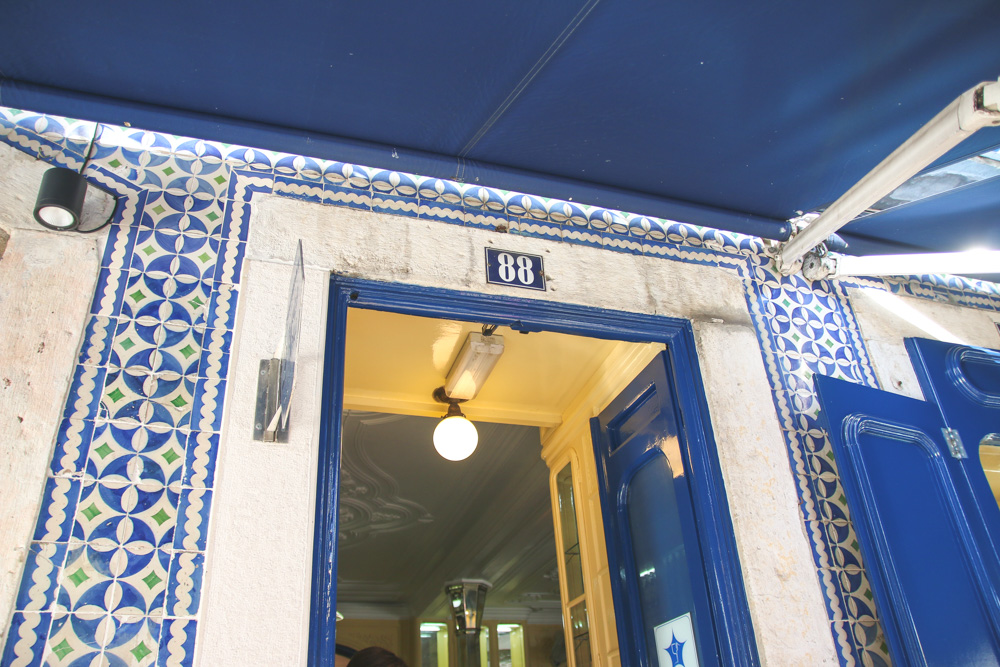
[516,269]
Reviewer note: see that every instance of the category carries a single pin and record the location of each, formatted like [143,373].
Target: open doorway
[410,520]
[624,342]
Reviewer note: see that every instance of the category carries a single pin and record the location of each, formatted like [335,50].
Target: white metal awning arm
[976,108]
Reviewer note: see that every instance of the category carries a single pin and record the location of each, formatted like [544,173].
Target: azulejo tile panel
[115,568]
[125,508]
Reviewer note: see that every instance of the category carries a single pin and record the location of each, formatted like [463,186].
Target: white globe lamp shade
[455,438]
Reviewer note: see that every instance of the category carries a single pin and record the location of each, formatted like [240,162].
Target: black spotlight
[60,199]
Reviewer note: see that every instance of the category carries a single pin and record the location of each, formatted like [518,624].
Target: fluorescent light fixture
[975,109]
[475,362]
[432,627]
[960,263]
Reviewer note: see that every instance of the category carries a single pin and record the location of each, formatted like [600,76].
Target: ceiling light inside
[475,362]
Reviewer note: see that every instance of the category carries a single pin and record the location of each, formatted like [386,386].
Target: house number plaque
[515,269]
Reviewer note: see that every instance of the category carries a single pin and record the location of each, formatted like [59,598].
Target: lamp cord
[86,161]
[103,224]
[90,148]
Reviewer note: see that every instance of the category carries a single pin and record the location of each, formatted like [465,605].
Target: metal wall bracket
[267,423]
[954,441]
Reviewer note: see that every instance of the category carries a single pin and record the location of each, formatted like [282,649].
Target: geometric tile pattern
[115,567]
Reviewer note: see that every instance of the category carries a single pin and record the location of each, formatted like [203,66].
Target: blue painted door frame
[652,528]
[732,615]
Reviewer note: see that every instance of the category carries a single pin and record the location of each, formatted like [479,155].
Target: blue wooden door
[964,382]
[922,525]
[662,605]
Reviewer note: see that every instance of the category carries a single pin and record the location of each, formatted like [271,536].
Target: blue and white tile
[110,292]
[158,348]
[187,570]
[442,212]
[76,639]
[133,641]
[144,584]
[645,227]
[112,514]
[97,336]
[42,564]
[192,520]
[216,349]
[207,409]
[345,175]
[478,197]
[127,453]
[143,398]
[395,204]
[525,206]
[71,447]
[602,219]
[178,302]
[868,635]
[229,269]
[202,179]
[222,307]
[177,642]
[567,213]
[59,504]
[201,455]
[252,159]
[84,392]
[488,220]
[243,185]
[164,254]
[26,638]
[207,151]
[537,229]
[182,214]
[394,183]
[437,190]
[297,188]
[300,168]
[86,580]
[345,196]
[617,243]
[583,236]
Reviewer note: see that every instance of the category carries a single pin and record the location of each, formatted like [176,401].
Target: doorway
[606,329]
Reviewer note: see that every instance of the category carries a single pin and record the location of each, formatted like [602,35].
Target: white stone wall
[257,593]
[887,319]
[46,283]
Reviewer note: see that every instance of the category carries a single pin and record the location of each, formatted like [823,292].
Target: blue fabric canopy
[724,113]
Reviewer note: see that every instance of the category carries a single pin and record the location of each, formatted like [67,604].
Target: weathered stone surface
[46,283]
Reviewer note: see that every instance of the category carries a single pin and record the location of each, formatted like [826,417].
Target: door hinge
[954,441]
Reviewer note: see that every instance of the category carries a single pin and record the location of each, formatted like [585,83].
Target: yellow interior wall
[571,442]
[538,641]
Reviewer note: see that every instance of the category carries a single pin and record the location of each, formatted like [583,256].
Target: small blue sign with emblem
[516,269]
